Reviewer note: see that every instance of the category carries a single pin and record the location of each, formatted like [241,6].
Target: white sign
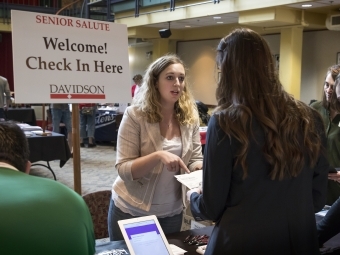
[60,59]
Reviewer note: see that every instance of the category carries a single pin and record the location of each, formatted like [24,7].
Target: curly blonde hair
[148,97]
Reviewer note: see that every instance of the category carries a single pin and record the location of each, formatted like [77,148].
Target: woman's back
[275,217]
[264,169]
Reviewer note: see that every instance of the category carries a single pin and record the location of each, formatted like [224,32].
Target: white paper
[31,128]
[28,133]
[196,225]
[201,249]
[192,180]
[322,213]
[42,133]
[203,129]
[177,250]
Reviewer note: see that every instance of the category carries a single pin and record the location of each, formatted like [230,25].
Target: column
[290,59]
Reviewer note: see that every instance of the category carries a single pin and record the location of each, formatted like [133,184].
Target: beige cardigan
[136,138]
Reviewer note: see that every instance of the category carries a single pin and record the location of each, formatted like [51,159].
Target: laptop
[144,236]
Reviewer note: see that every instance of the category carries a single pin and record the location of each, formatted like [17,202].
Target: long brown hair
[249,88]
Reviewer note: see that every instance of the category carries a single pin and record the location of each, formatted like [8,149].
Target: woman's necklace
[170,122]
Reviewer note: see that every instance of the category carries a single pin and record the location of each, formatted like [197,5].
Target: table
[107,124]
[176,239]
[25,115]
[48,148]
[331,247]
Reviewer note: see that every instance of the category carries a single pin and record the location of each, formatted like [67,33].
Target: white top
[167,200]
[136,90]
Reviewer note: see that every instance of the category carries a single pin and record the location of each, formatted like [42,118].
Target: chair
[98,203]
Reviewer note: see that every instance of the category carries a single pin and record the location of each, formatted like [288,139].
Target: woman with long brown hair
[264,168]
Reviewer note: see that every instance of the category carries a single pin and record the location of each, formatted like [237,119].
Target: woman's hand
[172,162]
[334,176]
[197,190]
[199,166]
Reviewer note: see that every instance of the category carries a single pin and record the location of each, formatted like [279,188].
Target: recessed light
[217,17]
[187,26]
[306,5]
[219,22]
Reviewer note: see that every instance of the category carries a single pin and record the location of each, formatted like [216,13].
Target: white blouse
[167,199]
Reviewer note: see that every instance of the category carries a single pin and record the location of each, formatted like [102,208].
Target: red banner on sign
[77,96]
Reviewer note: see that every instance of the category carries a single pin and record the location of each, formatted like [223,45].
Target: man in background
[38,216]
[138,82]
[62,113]
[4,90]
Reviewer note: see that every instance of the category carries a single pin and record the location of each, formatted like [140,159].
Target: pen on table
[187,238]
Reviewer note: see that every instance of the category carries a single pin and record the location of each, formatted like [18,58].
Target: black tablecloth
[48,148]
[24,115]
[331,247]
[106,128]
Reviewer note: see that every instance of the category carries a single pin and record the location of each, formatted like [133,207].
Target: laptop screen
[145,238]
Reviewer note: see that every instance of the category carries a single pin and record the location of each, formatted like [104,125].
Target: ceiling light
[306,5]
[216,17]
[219,22]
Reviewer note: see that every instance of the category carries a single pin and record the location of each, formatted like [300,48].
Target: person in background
[62,113]
[87,115]
[264,168]
[38,216]
[158,138]
[138,82]
[329,226]
[329,108]
[4,91]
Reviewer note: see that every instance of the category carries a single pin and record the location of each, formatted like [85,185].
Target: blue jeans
[87,123]
[169,224]
[59,115]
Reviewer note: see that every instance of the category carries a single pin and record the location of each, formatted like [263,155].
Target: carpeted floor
[97,169]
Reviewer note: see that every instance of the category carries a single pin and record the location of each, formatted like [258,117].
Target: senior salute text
[67,22]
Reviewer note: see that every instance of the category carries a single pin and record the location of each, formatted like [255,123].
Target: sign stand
[76,149]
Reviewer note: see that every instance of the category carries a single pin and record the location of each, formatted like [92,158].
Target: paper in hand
[192,180]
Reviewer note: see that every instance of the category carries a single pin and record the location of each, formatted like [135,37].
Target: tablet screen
[145,238]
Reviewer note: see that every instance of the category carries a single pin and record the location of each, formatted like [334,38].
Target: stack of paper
[28,133]
[27,127]
[192,180]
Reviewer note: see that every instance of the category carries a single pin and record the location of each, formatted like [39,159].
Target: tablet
[144,236]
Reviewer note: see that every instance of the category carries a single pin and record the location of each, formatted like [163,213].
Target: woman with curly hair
[157,139]
[265,168]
